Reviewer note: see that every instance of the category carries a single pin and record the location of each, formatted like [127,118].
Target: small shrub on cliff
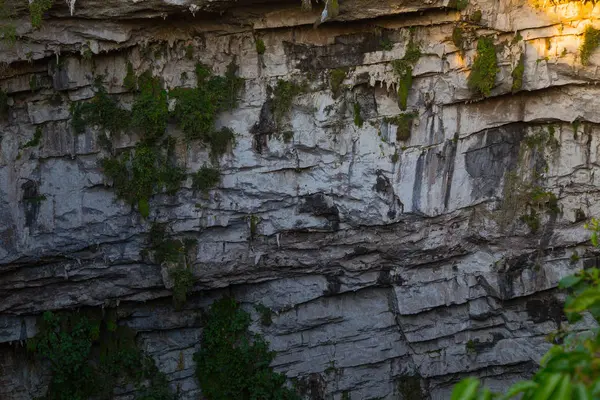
[139,174]
[88,355]
[403,69]
[591,40]
[403,123]
[101,111]
[569,370]
[196,110]
[485,67]
[150,111]
[283,96]
[458,38]
[260,46]
[206,178]
[517,74]
[336,77]
[234,364]
[358,119]
[37,8]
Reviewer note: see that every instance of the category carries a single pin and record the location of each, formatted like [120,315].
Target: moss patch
[336,77]
[283,96]
[485,67]
[591,40]
[517,74]
[139,174]
[88,355]
[260,46]
[101,111]
[37,137]
[206,178]
[358,120]
[150,111]
[403,69]
[234,364]
[403,123]
[458,38]
[196,109]
[476,16]
[130,80]
[37,8]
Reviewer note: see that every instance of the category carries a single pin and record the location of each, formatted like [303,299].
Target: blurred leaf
[519,387]
[569,281]
[465,389]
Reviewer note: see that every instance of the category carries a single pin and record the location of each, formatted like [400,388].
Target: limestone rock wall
[393,267]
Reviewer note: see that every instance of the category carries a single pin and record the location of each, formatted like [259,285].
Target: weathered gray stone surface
[384,262]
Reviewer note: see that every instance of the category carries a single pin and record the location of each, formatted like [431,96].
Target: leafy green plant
[517,74]
[189,52]
[234,364]
[459,4]
[130,80]
[403,123]
[150,110]
[260,46]
[458,38]
[87,356]
[139,174]
[386,44]
[206,178]
[476,16]
[485,67]
[37,137]
[196,109]
[358,120]
[266,314]
[37,8]
[403,69]
[570,369]
[336,77]
[183,282]
[283,96]
[102,111]
[591,40]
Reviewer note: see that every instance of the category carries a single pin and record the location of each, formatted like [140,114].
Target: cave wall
[393,268]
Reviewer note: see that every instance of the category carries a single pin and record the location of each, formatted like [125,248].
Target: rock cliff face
[398,250]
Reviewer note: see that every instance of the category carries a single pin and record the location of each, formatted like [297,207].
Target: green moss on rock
[336,77]
[517,74]
[591,40]
[206,178]
[403,69]
[485,67]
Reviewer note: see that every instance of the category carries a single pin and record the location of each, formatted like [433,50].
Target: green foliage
[591,40]
[386,44]
[173,252]
[150,110]
[88,356]
[183,282]
[336,77]
[476,16]
[395,157]
[569,370]
[403,69]
[139,174]
[37,137]
[574,257]
[130,80]
[517,38]
[254,221]
[189,52]
[517,74]
[403,123]
[458,38]
[102,111]
[260,46]
[9,32]
[232,363]
[206,178]
[485,67]
[283,96]
[358,120]
[532,220]
[196,109]
[460,4]
[37,8]
[3,104]
[266,315]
